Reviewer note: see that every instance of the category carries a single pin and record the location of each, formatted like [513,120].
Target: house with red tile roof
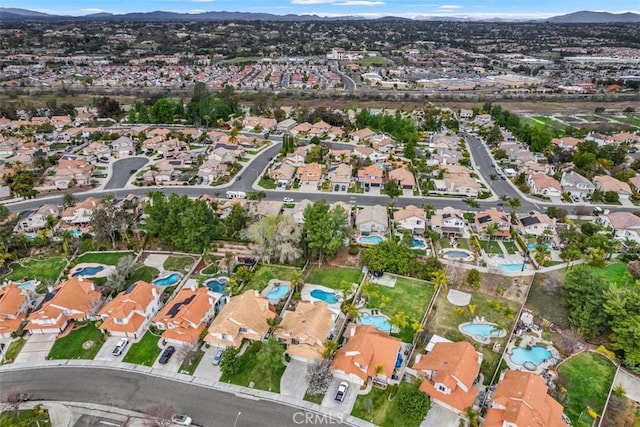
[81,212]
[449,371]
[404,178]
[305,330]
[70,172]
[486,218]
[411,218]
[368,353]
[545,185]
[371,175]
[73,300]
[310,174]
[185,316]
[361,135]
[243,317]
[14,303]
[521,400]
[608,183]
[128,314]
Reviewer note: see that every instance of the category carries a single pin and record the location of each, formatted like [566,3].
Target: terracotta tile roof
[183,316]
[371,174]
[542,181]
[310,324]
[130,305]
[456,366]
[12,301]
[623,220]
[521,399]
[310,172]
[403,176]
[609,183]
[366,349]
[408,212]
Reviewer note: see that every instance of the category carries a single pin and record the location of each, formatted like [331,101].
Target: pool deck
[529,340]
[305,295]
[106,269]
[458,298]
[272,284]
[469,258]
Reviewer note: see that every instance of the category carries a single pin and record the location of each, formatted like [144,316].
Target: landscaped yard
[42,269]
[178,263]
[251,371]
[463,244]
[617,273]
[144,352]
[107,258]
[587,378]
[383,412]
[511,247]
[143,272]
[190,364]
[333,277]
[409,296]
[264,273]
[25,418]
[448,317]
[490,246]
[84,342]
[445,243]
[267,183]
[13,350]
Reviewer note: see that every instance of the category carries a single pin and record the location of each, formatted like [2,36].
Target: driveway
[107,348]
[294,380]
[206,369]
[36,349]
[124,169]
[438,416]
[332,406]
[174,362]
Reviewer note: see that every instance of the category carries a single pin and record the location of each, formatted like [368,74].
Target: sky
[479,9]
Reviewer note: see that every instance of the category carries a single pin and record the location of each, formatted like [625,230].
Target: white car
[181,420]
[119,348]
[288,200]
[342,391]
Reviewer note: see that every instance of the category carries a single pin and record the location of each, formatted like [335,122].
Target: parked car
[217,357]
[166,355]
[342,391]
[181,420]
[119,348]
[288,200]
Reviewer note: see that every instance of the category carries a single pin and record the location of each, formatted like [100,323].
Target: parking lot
[36,349]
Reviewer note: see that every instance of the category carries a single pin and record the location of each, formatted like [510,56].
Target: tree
[319,377]
[236,221]
[414,405]
[270,357]
[440,279]
[275,236]
[584,293]
[229,363]
[400,320]
[102,223]
[473,417]
[351,311]
[325,229]
[391,256]
[473,278]
[623,308]
[22,183]
[68,200]
[330,348]
[160,414]
[569,340]
[392,190]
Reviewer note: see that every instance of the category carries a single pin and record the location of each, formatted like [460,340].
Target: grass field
[264,273]
[333,277]
[71,345]
[384,412]
[491,246]
[251,371]
[409,296]
[143,272]
[189,365]
[178,263]
[374,61]
[107,258]
[42,269]
[587,378]
[144,352]
[511,247]
[616,273]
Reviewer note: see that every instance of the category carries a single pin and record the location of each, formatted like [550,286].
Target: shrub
[353,250]
[229,363]
[414,405]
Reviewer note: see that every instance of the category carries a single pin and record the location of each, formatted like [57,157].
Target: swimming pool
[88,271]
[379,321]
[458,253]
[328,297]
[370,240]
[418,244]
[535,355]
[512,267]
[482,332]
[534,246]
[169,280]
[219,284]
[76,233]
[29,284]
[278,291]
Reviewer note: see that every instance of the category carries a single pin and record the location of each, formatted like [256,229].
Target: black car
[166,354]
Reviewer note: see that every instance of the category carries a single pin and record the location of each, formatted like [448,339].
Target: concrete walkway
[630,383]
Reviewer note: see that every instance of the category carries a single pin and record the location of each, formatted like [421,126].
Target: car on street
[288,200]
[342,391]
[166,355]
[181,420]
[132,171]
[217,357]
[119,348]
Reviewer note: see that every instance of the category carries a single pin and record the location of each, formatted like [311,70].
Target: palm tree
[330,348]
[417,327]
[68,200]
[399,320]
[514,203]
[296,280]
[274,324]
[383,301]
[491,230]
[368,291]
[379,369]
[472,416]
[351,311]
[428,210]
[440,279]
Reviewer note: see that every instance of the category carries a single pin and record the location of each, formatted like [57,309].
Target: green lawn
[410,296]
[71,345]
[42,269]
[143,272]
[374,60]
[384,413]
[250,370]
[448,317]
[144,352]
[617,273]
[13,350]
[333,277]
[490,246]
[264,273]
[178,263]
[107,258]
[25,418]
[189,366]
[210,269]
[445,243]
[267,183]
[587,378]
[463,244]
[511,247]
[313,399]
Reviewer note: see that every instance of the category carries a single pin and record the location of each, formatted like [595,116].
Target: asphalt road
[123,169]
[137,391]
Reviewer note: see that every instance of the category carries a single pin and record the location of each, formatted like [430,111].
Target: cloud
[359,3]
[449,7]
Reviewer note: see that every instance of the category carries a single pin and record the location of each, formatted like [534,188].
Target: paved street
[136,391]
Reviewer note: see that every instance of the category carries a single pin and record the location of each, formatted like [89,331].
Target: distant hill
[587,17]
[22,12]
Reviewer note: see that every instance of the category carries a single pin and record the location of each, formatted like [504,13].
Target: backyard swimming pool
[379,321]
[169,280]
[512,267]
[534,356]
[88,271]
[370,240]
[533,246]
[482,332]
[328,297]
[218,284]
[419,244]
[278,291]
[29,284]
[457,254]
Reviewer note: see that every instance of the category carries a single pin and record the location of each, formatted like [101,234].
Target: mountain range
[19,15]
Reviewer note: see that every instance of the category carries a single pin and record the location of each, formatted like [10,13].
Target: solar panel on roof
[484,219]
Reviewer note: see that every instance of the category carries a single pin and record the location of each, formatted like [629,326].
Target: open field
[333,277]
